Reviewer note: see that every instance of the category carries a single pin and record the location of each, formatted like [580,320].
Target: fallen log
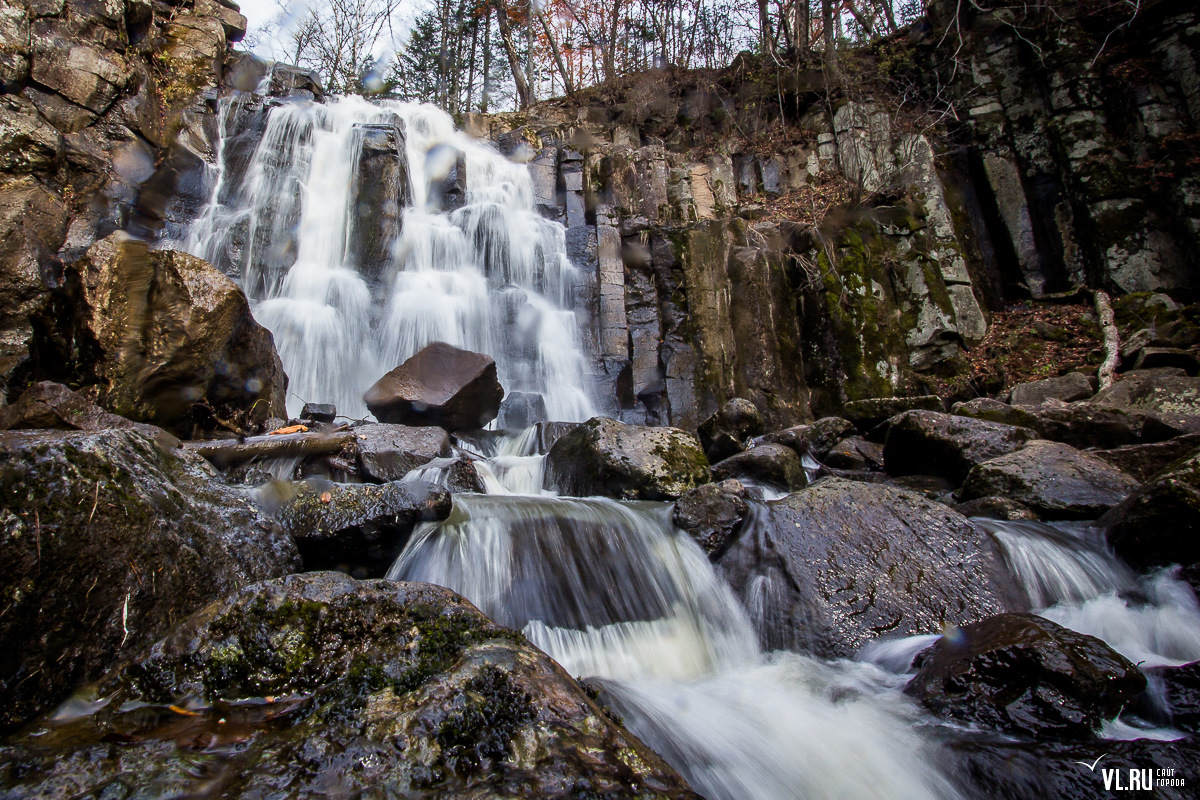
[225,453]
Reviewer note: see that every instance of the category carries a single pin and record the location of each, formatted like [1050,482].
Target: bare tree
[339,39]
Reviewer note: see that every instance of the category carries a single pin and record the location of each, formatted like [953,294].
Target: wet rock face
[1056,480]
[1144,461]
[629,462]
[1024,674]
[842,562]
[358,529]
[175,342]
[323,681]
[815,439]
[772,464]
[711,514]
[441,385]
[382,186]
[108,541]
[389,452]
[725,433]
[933,443]
[1159,524]
[47,405]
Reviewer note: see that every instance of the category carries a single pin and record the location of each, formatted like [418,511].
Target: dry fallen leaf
[289,429]
[326,497]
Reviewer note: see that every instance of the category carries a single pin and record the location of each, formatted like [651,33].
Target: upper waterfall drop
[362,232]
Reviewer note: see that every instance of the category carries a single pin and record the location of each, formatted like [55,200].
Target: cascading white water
[611,590]
[491,276]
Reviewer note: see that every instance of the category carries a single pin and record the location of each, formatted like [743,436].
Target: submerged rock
[711,513]
[1159,523]
[629,462]
[830,567]
[107,542]
[359,529]
[932,443]
[725,432]
[441,385]
[1056,480]
[389,452]
[1025,674]
[290,687]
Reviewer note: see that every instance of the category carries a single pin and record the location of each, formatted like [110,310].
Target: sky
[258,12]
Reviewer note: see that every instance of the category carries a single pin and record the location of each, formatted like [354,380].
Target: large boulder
[628,462]
[1166,391]
[319,685]
[175,342]
[1067,388]
[359,529]
[828,568]
[1144,461]
[987,408]
[389,452]
[107,542]
[815,439]
[725,432]
[866,414]
[1160,522]
[772,464]
[1054,479]
[1024,674]
[441,385]
[947,445]
[711,514]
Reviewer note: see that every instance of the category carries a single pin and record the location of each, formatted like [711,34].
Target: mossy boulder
[379,688]
[629,462]
[1159,523]
[108,541]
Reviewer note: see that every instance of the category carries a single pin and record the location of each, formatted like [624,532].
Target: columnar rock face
[383,184]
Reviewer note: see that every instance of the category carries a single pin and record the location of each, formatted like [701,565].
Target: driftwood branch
[1112,341]
[226,453]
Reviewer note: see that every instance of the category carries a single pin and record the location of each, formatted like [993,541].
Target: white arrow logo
[1091,766]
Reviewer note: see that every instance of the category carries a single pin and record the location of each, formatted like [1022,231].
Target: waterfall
[362,232]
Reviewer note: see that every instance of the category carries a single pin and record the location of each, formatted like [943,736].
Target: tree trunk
[827,29]
[487,59]
[764,24]
[1112,340]
[554,52]
[510,50]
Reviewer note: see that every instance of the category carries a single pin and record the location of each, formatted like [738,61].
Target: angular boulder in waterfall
[773,464]
[1159,524]
[828,568]
[440,385]
[815,439]
[319,412]
[372,687]
[1025,674]
[358,529]
[172,340]
[866,414]
[388,452]
[711,513]
[1053,479]
[629,462]
[933,443]
[725,432]
[1067,388]
[107,540]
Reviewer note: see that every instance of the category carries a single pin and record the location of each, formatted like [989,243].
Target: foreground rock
[177,345]
[772,464]
[933,443]
[711,514]
[629,462]
[725,432]
[377,688]
[107,542]
[1053,479]
[1025,674]
[1159,523]
[389,452]
[844,562]
[359,529]
[441,385]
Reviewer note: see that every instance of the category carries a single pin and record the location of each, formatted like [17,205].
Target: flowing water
[298,215]
[611,590]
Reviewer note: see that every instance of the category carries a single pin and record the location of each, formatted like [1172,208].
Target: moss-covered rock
[108,541]
[629,462]
[380,689]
